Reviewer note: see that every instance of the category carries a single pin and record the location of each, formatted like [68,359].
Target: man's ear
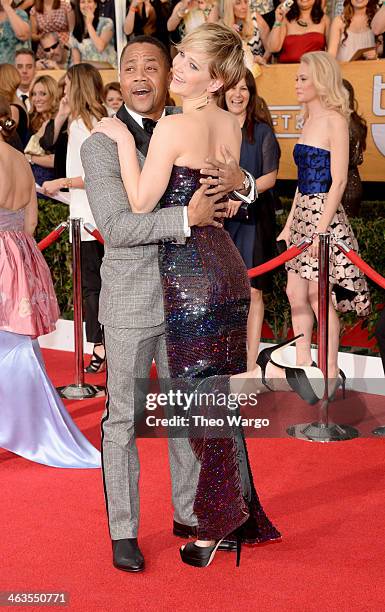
[214,85]
[169,78]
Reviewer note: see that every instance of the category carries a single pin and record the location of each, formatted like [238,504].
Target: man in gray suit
[131,301]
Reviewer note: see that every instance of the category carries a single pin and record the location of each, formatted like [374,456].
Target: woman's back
[202,133]
[16,179]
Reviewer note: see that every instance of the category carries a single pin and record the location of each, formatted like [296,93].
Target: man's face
[25,65]
[53,48]
[144,79]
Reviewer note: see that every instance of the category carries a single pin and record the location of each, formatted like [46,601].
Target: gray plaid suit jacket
[131,293]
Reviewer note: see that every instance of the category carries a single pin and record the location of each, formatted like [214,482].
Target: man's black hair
[150,40]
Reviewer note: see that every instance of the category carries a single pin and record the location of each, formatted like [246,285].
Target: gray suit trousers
[129,356]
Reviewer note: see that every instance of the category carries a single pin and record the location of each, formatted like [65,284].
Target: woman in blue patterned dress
[322,157]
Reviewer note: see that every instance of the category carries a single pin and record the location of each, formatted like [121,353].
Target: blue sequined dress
[206,299]
[349,287]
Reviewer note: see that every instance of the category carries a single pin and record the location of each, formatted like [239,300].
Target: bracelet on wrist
[67,183]
[277,24]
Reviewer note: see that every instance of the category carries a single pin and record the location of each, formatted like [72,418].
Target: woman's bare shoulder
[11,157]
[335,120]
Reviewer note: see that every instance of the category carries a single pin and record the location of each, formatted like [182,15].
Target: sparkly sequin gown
[206,299]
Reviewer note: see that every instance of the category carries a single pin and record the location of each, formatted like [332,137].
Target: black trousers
[380,335]
[91,258]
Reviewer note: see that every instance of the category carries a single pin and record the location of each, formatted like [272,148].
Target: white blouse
[79,206]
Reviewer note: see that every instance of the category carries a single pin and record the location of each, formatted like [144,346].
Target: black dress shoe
[188,531]
[127,555]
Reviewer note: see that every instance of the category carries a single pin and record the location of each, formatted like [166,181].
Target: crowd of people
[171,282]
[65,32]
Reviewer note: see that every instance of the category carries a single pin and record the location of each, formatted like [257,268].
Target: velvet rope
[52,236]
[361,264]
[94,232]
[294,251]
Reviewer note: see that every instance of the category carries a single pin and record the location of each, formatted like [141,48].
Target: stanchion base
[79,392]
[318,432]
[379,431]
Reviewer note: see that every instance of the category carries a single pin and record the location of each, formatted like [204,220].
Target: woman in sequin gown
[322,158]
[205,284]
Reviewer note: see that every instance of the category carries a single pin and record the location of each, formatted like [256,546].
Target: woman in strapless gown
[33,420]
[205,283]
[322,162]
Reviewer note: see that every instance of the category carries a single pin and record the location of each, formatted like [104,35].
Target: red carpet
[327,500]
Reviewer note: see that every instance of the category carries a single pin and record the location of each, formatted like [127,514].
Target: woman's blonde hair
[326,76]
[86,94]
[36,119]
[224,50]
[9,82]
[229,19]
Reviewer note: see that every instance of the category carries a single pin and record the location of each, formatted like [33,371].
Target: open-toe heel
[265,356]
[97,363]
[199,556]
[202,556]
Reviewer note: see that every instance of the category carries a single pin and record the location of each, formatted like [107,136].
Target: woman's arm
[378,22]
[51,188]
[19,26]
[34,29]
[213,16]
[263,28]
[278,32]
[130,18]
[45,161]
[176,16]
[76,56]
[30,213]
[144,189]
[15,113]
[339,163]
[335,35]
[266,181]
[326,22]
[71,20]
[100,42]
[26,5]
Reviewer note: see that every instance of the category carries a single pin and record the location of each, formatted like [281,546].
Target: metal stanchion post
[79,389]
[322,430]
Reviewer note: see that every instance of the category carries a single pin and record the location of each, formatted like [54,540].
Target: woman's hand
[6,4]
[285,235]
[88,14]
[114,129]
[258,59]
[280,13]
[64,107]
[50,188]
[232,208]
[313,248]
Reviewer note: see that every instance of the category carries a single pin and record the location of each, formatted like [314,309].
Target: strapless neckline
[301,144]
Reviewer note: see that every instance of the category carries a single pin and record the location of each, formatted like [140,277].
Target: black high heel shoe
[307,381]
[340,381]
[199,556]
[97,363]
[264,357]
